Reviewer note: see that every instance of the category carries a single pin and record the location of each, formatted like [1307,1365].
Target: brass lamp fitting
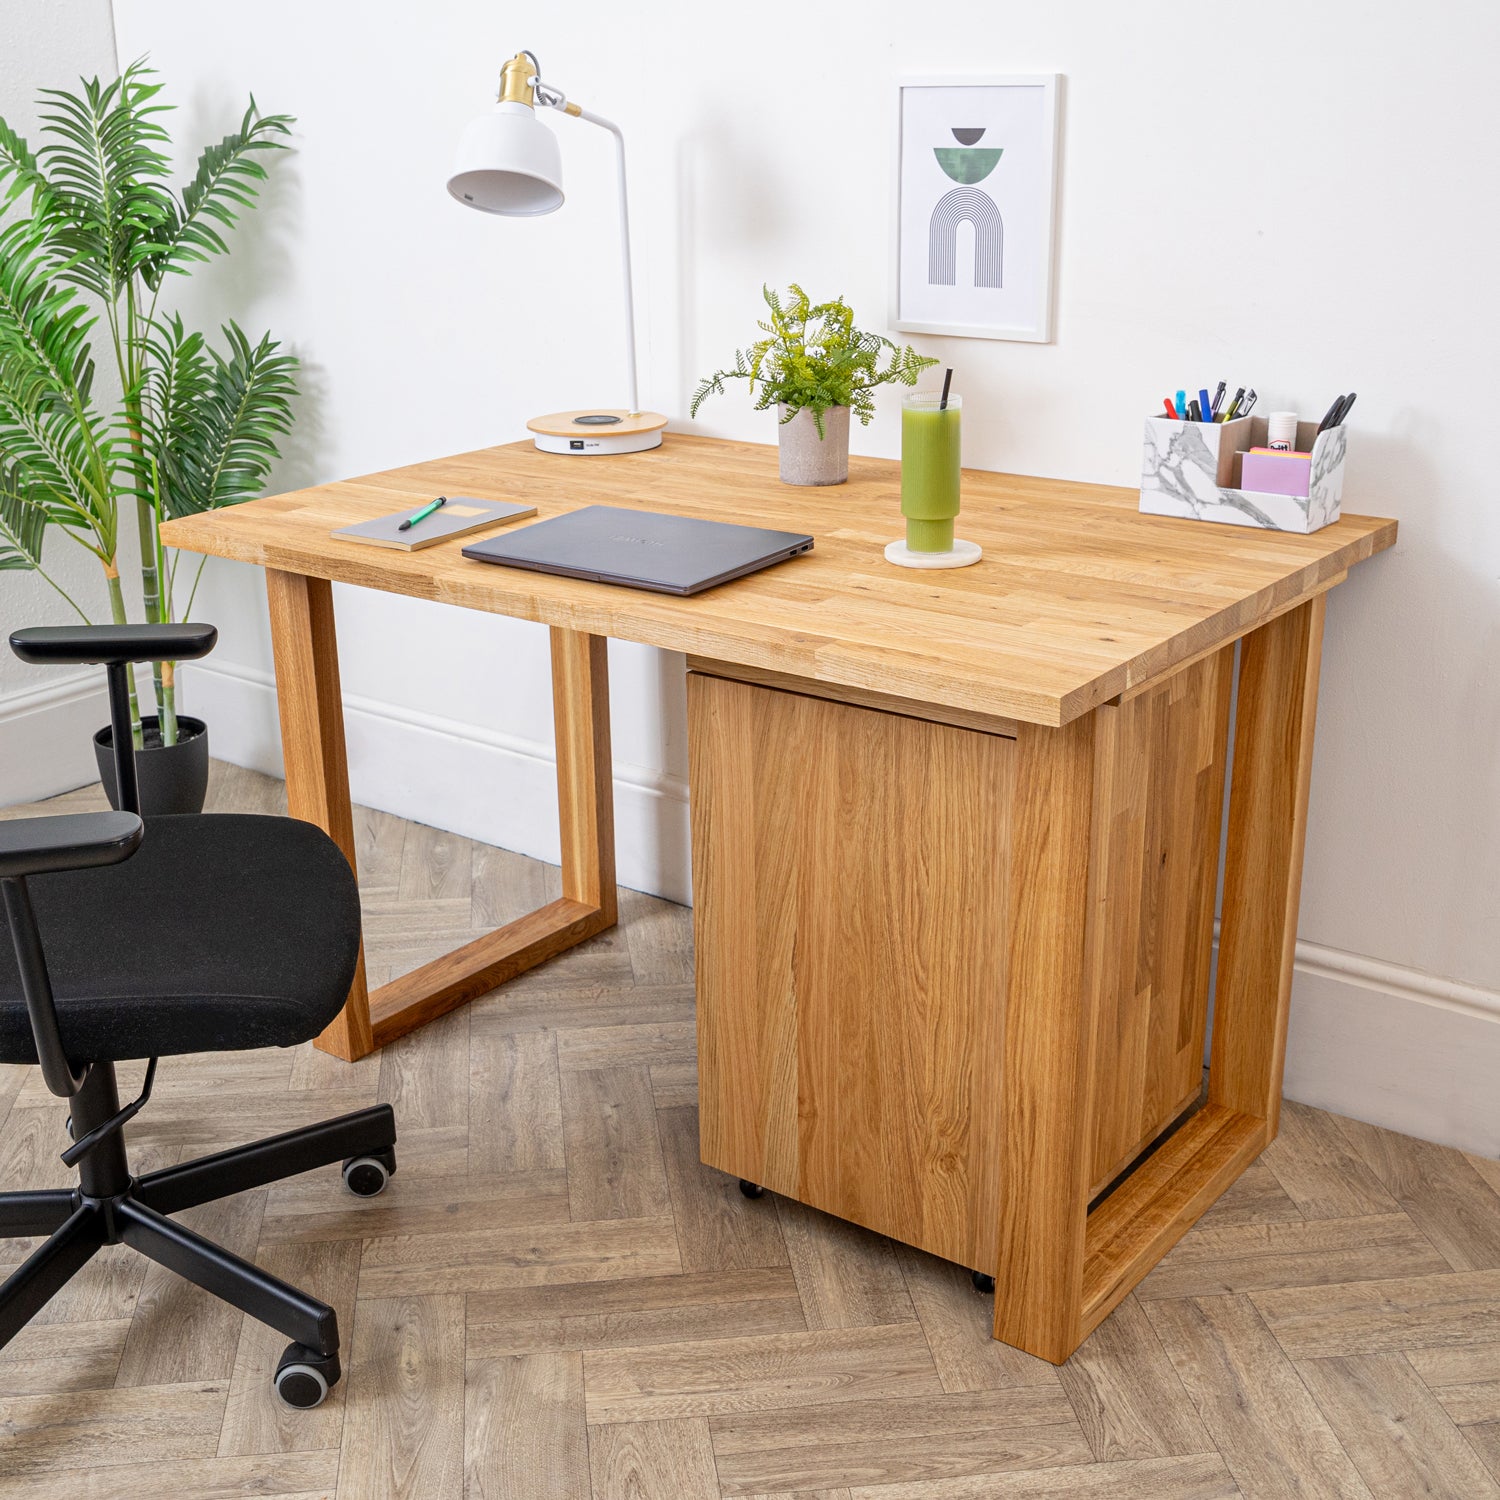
[515,80]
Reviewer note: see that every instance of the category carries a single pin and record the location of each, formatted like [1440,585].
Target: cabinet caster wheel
[304,1377]
[982,1282]
[365,1176]
[751,1189]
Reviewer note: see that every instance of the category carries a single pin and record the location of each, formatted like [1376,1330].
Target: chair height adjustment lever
[81,1148]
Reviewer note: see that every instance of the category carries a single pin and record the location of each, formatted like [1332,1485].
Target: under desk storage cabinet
[874,888]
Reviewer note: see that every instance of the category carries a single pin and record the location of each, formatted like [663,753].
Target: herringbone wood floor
[554,1299]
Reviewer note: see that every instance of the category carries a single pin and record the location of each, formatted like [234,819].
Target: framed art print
[976,173]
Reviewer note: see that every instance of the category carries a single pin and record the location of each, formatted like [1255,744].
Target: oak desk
[955,835]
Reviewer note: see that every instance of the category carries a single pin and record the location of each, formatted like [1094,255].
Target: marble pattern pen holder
[1192,469]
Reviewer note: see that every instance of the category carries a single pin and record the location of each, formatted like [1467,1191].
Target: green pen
[422,515]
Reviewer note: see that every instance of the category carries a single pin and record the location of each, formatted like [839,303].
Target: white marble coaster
[962,555]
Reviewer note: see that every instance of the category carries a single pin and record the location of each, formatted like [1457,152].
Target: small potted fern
[815,367]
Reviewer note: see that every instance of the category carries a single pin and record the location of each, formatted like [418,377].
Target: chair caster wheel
[304,1377]
[751,1189]
[366,1176]
[982,1281]
[69,1128]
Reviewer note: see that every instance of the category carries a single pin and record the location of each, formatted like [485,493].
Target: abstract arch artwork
[975,206]
[966,163]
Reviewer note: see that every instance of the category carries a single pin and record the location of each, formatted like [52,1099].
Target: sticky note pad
[1268,472]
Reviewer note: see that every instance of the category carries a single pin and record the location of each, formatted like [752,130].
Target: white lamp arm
[554,98]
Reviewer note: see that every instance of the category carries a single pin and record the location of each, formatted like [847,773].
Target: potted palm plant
[815,367]
[171,425]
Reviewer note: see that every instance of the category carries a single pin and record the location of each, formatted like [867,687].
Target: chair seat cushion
[221,932]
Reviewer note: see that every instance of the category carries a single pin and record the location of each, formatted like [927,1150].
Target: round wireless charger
[962,555]
[597,431]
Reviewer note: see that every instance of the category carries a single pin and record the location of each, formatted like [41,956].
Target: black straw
[947,381]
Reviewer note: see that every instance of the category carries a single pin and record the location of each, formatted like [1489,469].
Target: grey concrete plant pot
[807,458]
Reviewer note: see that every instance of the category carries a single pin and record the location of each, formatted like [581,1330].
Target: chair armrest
[70,841]
[111,644]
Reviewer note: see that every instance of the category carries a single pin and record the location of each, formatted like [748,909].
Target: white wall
[47,715]
[1299,199]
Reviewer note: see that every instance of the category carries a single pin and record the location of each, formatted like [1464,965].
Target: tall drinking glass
[929,469]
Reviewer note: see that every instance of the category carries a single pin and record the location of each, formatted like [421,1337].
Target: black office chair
[180,935]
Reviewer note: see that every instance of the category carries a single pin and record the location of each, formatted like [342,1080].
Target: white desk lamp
[508,163]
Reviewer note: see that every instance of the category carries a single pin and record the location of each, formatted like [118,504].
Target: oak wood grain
[1273,740]
[1269,1430]
[524,1432]
[850,911]
[304,647]
[1079,597]
[403,1431]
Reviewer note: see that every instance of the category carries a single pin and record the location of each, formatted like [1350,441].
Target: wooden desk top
[1078,598]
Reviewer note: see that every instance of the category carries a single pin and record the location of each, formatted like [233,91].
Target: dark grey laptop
[641,549]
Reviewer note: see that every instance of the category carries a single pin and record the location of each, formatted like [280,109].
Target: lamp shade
[508,163]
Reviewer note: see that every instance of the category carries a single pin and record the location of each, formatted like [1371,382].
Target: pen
[1218,400]
[1348,402]
[422,515]
[1205,405]
[1182,406]
[1171,410]
[1234,405]
[1249,402]
[1194,413]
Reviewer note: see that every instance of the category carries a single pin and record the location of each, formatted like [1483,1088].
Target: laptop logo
[640,541]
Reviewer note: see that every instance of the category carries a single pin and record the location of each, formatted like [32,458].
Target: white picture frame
[990,248]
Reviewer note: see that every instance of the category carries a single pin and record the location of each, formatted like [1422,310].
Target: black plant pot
[173,778]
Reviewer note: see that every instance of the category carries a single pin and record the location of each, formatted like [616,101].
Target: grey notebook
[459,517]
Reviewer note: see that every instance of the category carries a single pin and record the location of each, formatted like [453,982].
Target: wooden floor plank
[1466,1380]
[515,1097]
[404,1410]
[54,1358]
[89,1429]
[718,1227]
[751,1374]
[490,1260]
[1130,1400]
[1260,1416]
[1247,1257]
[611,1146]
[1446,1198]
[956,1321]
[1378,1317]
[1202,1478]
[288,1476]
[637,1312]
[1399,1437]
[524,1431]
[667,1460]
[896,1441]
[847,1277]
[1320,1171]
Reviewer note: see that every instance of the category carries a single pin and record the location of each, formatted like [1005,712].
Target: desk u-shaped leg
[317,778]
[1062,1269]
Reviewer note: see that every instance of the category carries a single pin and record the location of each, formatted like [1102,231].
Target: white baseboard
[46,737]
[1410,1051]
[479,783]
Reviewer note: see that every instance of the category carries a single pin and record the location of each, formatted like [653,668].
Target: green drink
[929,469]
